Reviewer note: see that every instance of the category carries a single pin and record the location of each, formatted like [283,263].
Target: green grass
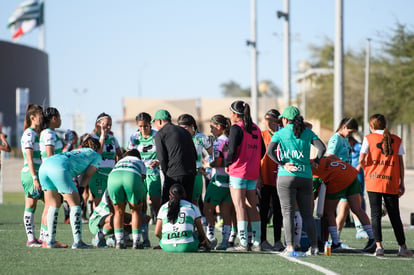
[16,258]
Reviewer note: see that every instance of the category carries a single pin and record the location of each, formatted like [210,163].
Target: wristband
[34,177]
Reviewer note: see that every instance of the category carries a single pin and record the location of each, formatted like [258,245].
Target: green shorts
[181,247]
[215,194]
[27,182]
[198,187]
[125,186]
[152,185]
[239,183]
[96,224]
[352,189]
[98,184]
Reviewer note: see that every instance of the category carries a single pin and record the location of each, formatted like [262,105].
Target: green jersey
[339,146]
[294,150]
[108,154]
[146,147]
[182,230]
[30,140]
[200,141]
[48,137]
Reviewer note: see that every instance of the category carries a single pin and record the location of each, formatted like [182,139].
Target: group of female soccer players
[230,163]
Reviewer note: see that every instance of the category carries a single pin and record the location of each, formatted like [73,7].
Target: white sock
[52,218]
[28,220]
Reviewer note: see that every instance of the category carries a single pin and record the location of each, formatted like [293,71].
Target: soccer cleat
[157,247]
[34,243]
[278,246]
[361,234]
[313,251]
[81,245]
[213,243]
[287,252]
[67,220]
[146,243]
[379,251]
[221,247]
[370,247]
[266,246]
[335,247]
[53,245]
[138,245]
[230,244]
[99,243]
[404,252]
[256,248]
[120,245]
[238,248]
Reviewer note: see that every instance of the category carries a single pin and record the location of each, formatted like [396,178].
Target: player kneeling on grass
[341,181]
[176,224]
[125,185]
[101,223]
[56,177]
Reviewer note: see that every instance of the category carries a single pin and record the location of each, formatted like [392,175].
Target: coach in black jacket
[176,153]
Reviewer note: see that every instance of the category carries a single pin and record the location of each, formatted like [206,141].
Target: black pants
[187,181]
[393,209]
[268,192]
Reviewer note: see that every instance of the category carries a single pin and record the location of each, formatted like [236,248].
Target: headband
[216,122]
[102,117]
[237,112]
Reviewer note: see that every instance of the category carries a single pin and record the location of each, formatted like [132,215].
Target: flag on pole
[27,16]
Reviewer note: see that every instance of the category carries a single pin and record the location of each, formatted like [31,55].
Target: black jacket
[175,151]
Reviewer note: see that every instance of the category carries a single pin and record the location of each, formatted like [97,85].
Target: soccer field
[16,258]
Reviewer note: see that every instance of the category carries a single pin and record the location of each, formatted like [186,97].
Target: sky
[102,51]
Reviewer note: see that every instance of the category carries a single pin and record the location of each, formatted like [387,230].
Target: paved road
[11,183]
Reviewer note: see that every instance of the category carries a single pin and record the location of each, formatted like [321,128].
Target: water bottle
[297,254]
[327,249]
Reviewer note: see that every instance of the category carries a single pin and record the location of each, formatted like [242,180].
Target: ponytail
[242,109]
[378,122]
[176,194]
[387,142]
[298,125]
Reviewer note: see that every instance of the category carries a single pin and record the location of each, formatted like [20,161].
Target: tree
[391,80]
[394,78]
[233,89]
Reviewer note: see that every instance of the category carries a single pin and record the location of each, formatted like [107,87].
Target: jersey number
[181,218]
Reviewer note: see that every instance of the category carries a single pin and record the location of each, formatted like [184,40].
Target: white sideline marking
[314,266]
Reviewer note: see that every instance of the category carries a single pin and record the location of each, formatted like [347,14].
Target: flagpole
[42,32]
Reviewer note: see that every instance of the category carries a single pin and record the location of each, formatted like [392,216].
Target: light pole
[286,55]
[339,65]
[366,94]
[252,43]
